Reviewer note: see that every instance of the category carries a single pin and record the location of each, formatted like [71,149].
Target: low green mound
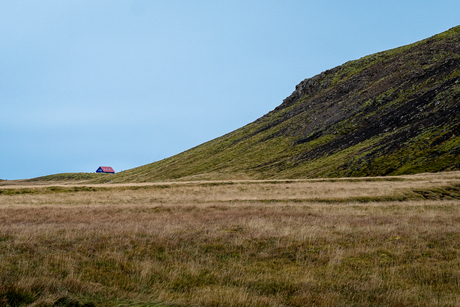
[70,177]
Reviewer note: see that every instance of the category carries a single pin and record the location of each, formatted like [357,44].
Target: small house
[105,169]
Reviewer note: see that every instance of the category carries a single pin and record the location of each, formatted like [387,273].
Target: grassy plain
[382,241]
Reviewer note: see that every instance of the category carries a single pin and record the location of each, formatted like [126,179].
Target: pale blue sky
[126,83]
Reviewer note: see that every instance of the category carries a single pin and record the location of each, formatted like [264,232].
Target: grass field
[382,241]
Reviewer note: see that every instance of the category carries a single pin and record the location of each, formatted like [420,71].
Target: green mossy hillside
[390,113]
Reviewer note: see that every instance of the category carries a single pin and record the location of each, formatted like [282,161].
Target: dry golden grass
[240,243]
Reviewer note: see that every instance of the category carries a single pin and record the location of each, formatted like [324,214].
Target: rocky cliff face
[394,112]
[406,100]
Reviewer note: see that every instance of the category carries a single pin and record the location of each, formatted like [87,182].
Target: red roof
[107,169]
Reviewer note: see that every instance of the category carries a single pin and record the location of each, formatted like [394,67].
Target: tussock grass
[240,244]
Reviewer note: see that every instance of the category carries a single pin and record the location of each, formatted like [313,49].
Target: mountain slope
[394,112]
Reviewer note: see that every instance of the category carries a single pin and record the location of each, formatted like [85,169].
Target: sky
[124,83]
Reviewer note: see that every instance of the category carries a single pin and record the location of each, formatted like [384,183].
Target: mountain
[390,113]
